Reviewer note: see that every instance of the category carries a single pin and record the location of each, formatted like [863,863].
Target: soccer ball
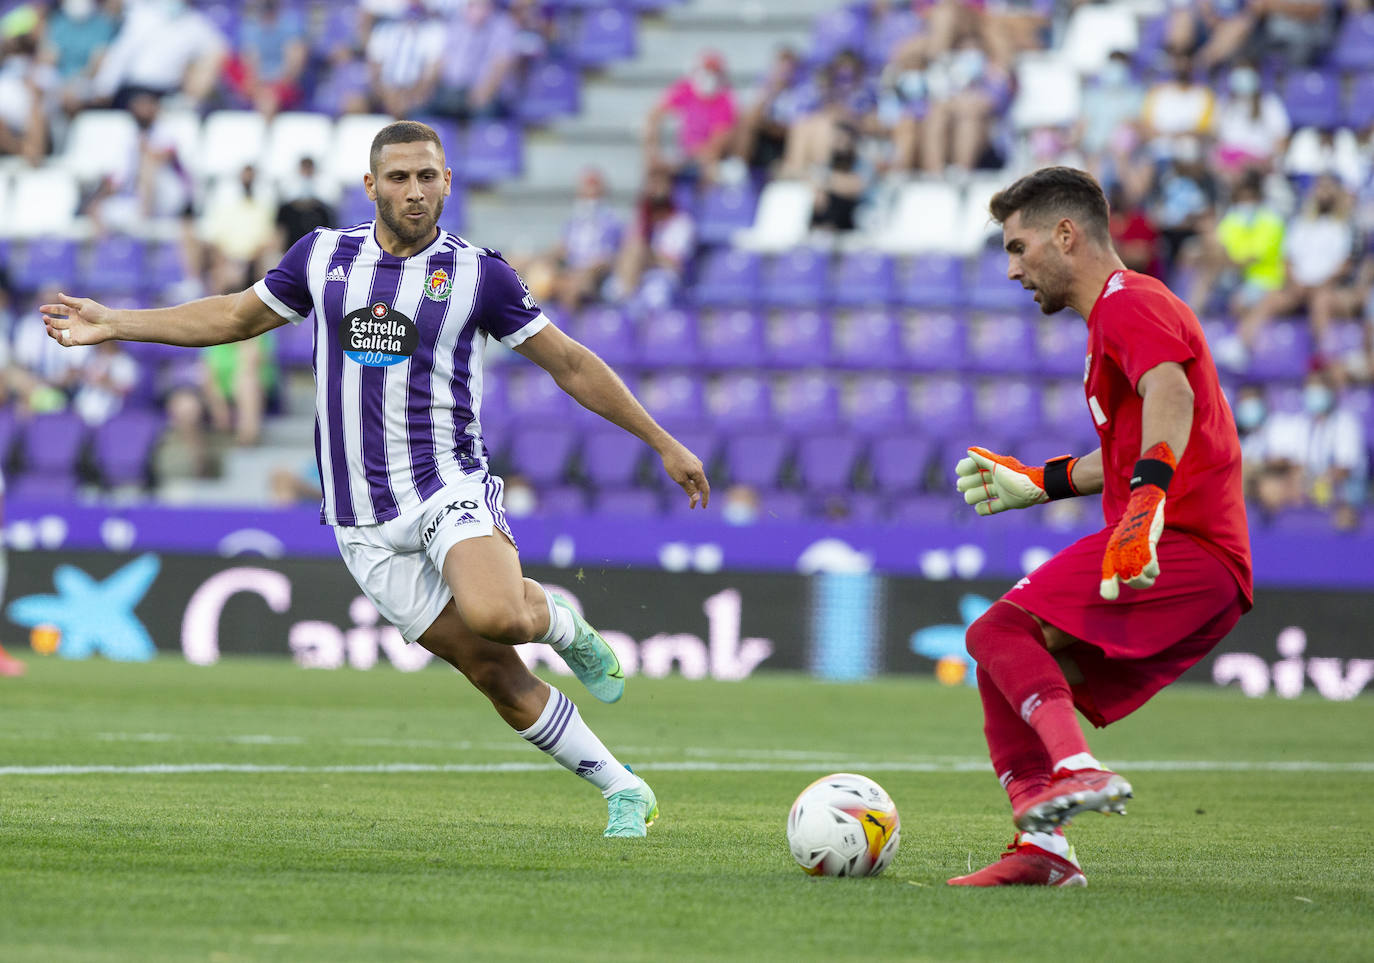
[844,825]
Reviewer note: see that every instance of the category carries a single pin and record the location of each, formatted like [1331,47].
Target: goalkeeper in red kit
[1112,619]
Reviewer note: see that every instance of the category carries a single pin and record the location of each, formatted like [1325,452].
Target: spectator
[186,450]
[741,504]
[703,107]
[1134,235]
[1300,30]
[296,484]
[519,498]
[269,57]
[1218,30]
[28,88]
[345,87]
[303,206]
[1316,457]
[239,228]
[1110,108]
[1245,253]
[1177,110]
[840,188]
[760,135]
[103,382]
[403,60]
[1252,126]
[840,95]
[152,186]
[239,378]
[1252,416]
[968,92]
[42,374]
[1318,247]
[78,33]
[481,53]
[1183,200]
[575,270]
[1012,27]
[657,247]
[163,47]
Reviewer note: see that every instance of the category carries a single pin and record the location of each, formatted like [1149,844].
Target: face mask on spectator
[1317,399]
[1244,209]
[1250,413]
[1115,73]
[706,83]
[1244,81]
[78,9]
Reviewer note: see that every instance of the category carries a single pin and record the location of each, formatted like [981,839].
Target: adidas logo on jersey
[336,273]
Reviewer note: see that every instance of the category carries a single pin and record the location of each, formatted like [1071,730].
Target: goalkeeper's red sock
[1018,755]
[1010,651]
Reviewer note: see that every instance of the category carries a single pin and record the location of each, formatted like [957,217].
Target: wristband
[1059,477]
[1156,467]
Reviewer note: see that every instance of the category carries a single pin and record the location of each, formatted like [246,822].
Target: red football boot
[1071,792]
[1025,864]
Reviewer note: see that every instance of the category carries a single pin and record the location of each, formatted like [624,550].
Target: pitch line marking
[952,766]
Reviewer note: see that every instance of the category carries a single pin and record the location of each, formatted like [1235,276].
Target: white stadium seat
[1048,92]
[99,143]
[231,139]
[293,135]
[923,218]
[1094,32]
[347,160]
[975,224]
[782,220]
[43,202]
[183,128]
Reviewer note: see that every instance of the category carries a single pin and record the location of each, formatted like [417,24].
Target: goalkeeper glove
[1130,555]
[993,483]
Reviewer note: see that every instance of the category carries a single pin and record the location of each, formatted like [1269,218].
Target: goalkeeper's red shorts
[1131,648]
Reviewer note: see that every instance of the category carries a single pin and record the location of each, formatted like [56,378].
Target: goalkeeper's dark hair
[401,132]
[1052,193]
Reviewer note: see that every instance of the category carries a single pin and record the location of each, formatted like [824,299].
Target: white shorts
[399,564]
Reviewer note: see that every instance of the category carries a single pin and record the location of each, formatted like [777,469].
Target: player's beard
[1053,288]
[406,231]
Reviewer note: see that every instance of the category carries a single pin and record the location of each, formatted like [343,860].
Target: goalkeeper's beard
[404,230]
[1054,289]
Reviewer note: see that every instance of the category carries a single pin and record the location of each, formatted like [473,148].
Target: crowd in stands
[1235,139]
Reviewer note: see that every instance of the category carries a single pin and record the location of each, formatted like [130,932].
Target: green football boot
[631,811]
[591,659]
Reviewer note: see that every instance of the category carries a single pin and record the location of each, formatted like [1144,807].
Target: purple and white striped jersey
[397,360]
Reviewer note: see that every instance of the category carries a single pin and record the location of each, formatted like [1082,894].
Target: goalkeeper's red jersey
[1136,324]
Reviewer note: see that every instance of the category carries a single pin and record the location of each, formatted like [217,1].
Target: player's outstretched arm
[994,483]
[592,383]
[213,320]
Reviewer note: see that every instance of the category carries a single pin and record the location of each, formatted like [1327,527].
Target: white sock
[560,732]
[1079,760]
[1051,842]
[561,629]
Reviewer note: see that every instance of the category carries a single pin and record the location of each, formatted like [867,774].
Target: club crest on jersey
[378,336]
[438,285]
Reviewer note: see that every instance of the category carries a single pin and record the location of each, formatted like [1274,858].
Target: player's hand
[1130,555]
[686,469]
[73,321]
[994,483]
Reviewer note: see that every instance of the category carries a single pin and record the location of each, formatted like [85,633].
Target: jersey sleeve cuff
[533,327]
[275,303]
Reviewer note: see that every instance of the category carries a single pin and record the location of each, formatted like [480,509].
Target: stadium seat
[796,278]
[1001,343]
[849,508]
[1063,409]
[347,159]
[837,30]
[943,400]
[756,458]
[975,227]
[52,443]
[42,262]
[724,210]
[47,489]
[1060,346]
[1359,102]
[561,501]
[807,402]
[611,456]
[782,219]
[292,135]
[230,140]
[114,265]
[9,431]
[876,404]
[533,398]
[1313,98]
[609,331]
[1354,49]
[628,503]
[782,506]
[183,128]
[552,89]
[933,342]
[674,398]
[795,339]
[1007,406]
[1048,92]
[1281,351]
[669,338]
[725,278]
[866,339]
[603,35]
[1094,32]
[898,462]
[826,463]
[492,150]
[732,338]
[930,280]
[43,203]
[123,446]
[296,344]
[863,279]
[100,143]
[988,287]
[739,401]
[921,219]
[541,454]
[922,510]
[165,263]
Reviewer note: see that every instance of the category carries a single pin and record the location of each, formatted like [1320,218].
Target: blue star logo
[94,616]
[947,641]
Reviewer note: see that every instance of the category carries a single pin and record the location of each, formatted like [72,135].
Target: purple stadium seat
[492,151]
[725,209]
[796,278]
[123,445]
[296,344]
[114,265]
[796,339]
[899,462]
[610,332]
[1359,104]
[727,277]
[1313,98]
[1036,449]
[921,510]
[165,265]
[836,30]
[43,262]
[863,278]
[849,508]
[1281,351]
[629,503]
[611,456]
[669,338]
[866,339]
[552,89]
[732,338]
[561,501]
[933,342]
[355,207]
[807,403]
[532,398]
[52,443]
[1062,408]
[603,35]
[931,281]
[941,401]
[1060,346]
[1008,405]
[988,287]
[9,430]
[1354,49]
[541,454]
[876,404]
[740,400]
[756,458]
[826,462]
[455,210]
[674,398]
[782,506]
[1000,344]
[1302,521]
[42,488]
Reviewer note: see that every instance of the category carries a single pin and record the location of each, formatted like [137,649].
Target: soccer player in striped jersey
[402,311]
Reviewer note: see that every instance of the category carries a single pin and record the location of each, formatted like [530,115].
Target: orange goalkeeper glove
[994,483]
[1130,555]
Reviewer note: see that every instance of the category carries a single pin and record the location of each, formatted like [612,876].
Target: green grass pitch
[379,816]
